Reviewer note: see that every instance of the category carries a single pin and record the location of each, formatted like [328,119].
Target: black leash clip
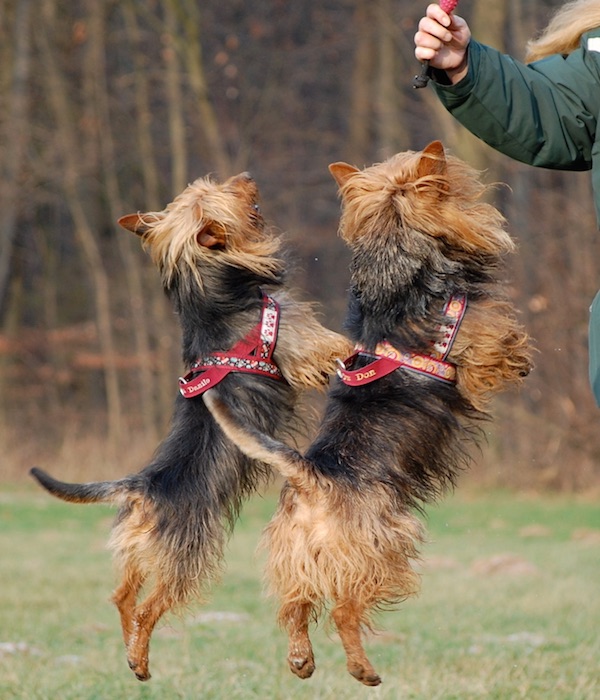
[421,80]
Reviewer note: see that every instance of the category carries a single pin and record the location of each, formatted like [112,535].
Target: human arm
[544,114]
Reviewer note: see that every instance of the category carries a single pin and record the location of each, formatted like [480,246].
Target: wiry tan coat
[345,534]
[215,258]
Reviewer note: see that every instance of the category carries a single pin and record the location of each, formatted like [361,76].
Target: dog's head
[422,196]
[207,225]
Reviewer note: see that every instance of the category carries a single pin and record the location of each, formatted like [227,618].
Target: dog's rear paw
[367,675]
[142,673]
[302,666]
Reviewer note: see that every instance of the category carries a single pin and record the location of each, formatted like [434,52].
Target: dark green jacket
[545,114]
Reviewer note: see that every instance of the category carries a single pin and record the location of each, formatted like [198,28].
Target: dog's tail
[257,445]
[93,492]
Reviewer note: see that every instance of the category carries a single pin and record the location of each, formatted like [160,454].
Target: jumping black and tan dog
[241,331]
[436,337]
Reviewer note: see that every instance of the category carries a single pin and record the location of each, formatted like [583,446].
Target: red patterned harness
[252,354]
[388,358]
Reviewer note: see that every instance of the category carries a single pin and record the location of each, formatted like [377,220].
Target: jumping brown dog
[436,337]
[241,330]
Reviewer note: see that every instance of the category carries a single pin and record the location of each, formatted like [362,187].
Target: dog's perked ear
[134,223]
[342,172]
[432,161]
[241,180]
[244,185]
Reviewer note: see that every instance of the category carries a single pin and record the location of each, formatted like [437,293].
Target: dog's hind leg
[144,619]
[125,598]
[347,616]
[295,618]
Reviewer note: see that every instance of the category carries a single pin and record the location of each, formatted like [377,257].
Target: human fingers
[430,37]
[435,12]
[429,26]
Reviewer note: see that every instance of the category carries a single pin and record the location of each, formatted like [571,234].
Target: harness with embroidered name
[252,354]
[388,358]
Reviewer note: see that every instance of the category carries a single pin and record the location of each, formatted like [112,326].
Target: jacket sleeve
[543,113]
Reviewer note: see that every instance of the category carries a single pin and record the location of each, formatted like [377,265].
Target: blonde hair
[563,33]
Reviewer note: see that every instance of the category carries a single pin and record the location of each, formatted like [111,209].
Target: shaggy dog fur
[344,534]
[215,258]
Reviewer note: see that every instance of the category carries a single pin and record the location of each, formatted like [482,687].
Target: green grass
[525,629]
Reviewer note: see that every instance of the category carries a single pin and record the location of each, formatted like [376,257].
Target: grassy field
[510,608]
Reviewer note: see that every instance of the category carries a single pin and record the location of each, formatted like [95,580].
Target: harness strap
[388,358]
[252,354]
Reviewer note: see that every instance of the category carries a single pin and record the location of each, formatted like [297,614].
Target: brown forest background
[111,107]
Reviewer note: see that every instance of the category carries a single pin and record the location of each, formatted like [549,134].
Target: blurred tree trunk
[361,102]
[14,131]
[166,328]
[185,36]
[392,134]
[376,126]
[173,76]
[14,125]
[138,315]
[141,62]
[81,210]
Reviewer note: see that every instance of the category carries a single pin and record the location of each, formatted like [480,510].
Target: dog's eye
[256,208]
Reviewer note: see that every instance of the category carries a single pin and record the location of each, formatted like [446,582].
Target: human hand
[442,39]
